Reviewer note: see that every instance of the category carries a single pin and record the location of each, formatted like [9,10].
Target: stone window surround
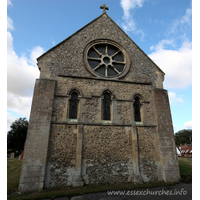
[111,105]
[78,106]
[141,107]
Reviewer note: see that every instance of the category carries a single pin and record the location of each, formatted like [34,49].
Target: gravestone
[12,155]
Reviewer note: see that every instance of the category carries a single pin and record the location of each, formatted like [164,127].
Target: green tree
[183,136]
[16,137]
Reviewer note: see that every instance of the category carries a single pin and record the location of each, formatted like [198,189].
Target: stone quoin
[99,114]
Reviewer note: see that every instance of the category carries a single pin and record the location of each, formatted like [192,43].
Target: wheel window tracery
[106,59]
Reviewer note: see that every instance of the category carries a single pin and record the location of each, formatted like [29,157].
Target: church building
[99,114]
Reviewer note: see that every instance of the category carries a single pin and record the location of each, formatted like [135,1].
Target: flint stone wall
[67,57]
[149,154]
[61,160]
[90,100]
[107,155]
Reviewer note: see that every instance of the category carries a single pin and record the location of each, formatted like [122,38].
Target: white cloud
[177,64]
[21,74]
[19,104]
[162,44]
[127,5]
[9,2]
[188,125]
[182,23]
[21,71]
[186,19]
[129,24]
[35,53]
[174,99]
[10,24]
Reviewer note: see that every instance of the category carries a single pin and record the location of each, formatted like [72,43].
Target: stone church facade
[99,114]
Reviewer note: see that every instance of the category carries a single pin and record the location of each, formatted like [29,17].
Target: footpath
[181,191]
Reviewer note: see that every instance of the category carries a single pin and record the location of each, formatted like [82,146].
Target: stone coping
[137,124]
[94,96]
[105,79]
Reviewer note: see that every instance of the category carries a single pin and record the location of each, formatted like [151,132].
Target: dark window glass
[73,106]
[106,60]
[101,70]
[106,106]
[101,48]
[92,53]
[136,106]
[119,57]
[93,63]
[111,71]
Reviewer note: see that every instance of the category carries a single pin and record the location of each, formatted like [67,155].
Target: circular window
[106,59]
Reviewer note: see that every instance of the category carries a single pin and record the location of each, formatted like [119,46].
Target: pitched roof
[186,149]
[104,13]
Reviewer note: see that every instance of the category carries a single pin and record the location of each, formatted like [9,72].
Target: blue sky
[161,28]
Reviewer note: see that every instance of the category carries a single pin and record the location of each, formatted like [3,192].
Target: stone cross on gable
[104,8]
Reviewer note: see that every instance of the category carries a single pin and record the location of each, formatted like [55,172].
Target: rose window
[106,59]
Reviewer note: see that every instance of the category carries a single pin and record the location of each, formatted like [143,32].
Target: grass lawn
[13,174]
[14,169]
[185,165]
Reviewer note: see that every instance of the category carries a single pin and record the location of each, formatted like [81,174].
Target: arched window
[106,106]
[136,106]
[73,106]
